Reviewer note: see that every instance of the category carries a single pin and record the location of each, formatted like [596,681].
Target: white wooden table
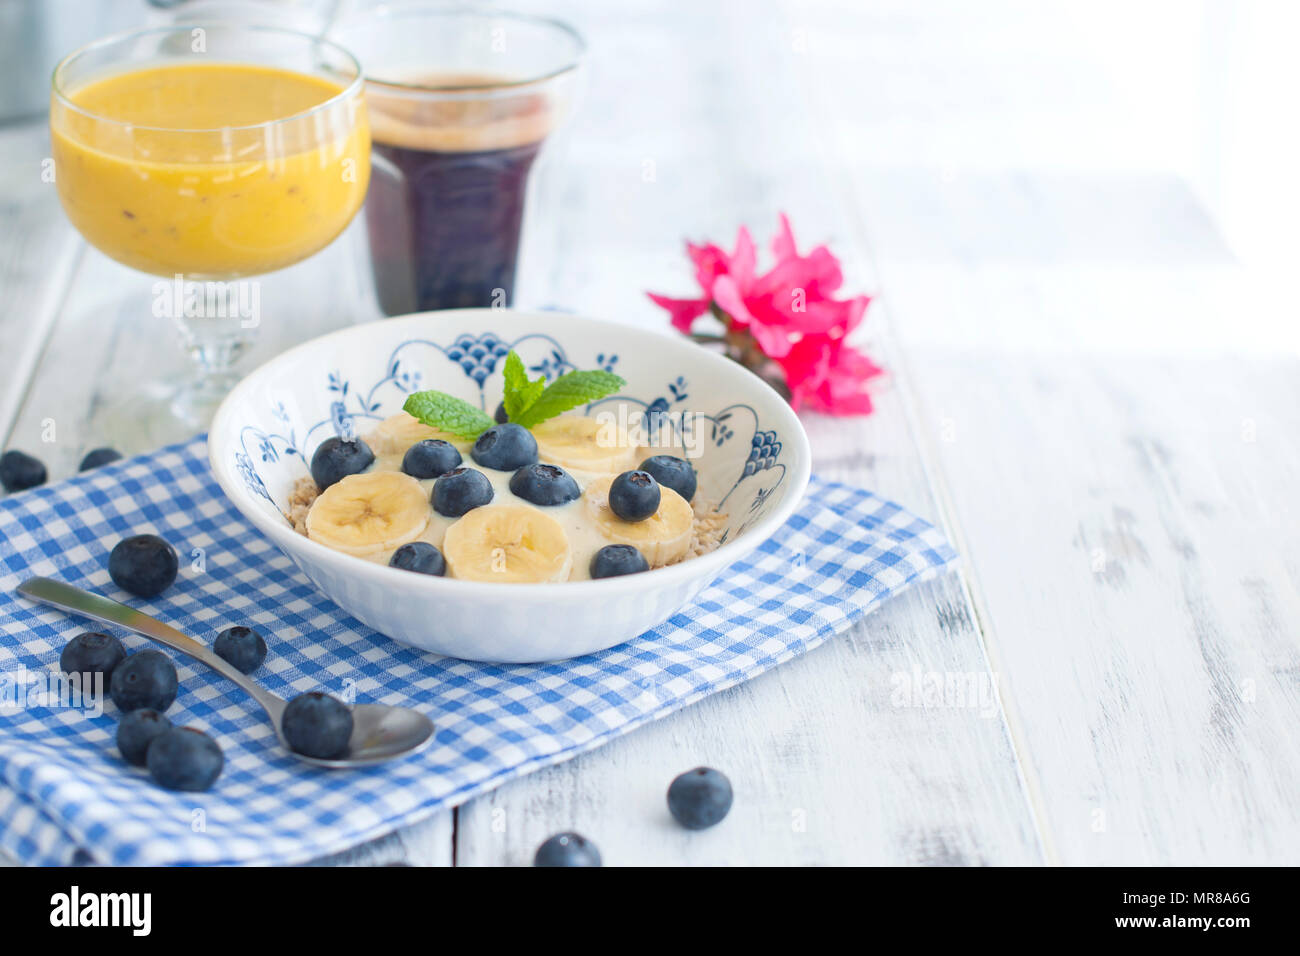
[1123,495]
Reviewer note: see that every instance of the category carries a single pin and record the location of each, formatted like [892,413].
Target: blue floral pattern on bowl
[356,403]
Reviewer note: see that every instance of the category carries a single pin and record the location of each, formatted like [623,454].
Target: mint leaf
[569,391]
[520,393]
[447,413]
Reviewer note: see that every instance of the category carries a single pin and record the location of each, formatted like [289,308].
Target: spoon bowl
[379,732]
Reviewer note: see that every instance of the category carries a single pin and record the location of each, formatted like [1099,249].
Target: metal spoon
[379,732]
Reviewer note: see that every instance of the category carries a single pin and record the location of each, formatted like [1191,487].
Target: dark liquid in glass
[445,233]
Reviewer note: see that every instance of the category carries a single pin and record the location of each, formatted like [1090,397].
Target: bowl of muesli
[509,486]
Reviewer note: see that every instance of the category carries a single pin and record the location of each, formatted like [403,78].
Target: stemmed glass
[207,155]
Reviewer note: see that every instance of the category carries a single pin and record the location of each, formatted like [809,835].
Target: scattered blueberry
[505,447]
[20,471]
[567,849]
[136,732]
[145,679]
[615,559]
[99,456]
[93,652]
[699,798]
[500,415]
[317,725]
[430,458]
[634,495]
[461,490]
[143,564]
[336,458]
[241,647]
[672,473]
[419,556]
[544,485]
[182,758]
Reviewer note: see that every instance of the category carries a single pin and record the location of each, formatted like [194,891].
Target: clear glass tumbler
[461,102]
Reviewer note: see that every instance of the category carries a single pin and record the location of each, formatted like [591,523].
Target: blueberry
[241,647]
[93,652]
[430,458]
[500,415]
[567,849]
[336,458]
[145,565]
[544,485]
[672,473]
[615,559]
[145,679]
[461,490]
[182,758]
[419,556]
[634,495]
[505,447]
[317,725]
[19,471]
[98,456]
[699,798]
[136,732]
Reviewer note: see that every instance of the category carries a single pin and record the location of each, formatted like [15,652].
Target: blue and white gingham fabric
[67,796]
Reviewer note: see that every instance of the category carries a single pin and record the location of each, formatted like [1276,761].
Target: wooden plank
[1139,611]
[38,250]
[1068,312]
[1037,365]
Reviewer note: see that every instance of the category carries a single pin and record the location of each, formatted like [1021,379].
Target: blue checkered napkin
[66,795]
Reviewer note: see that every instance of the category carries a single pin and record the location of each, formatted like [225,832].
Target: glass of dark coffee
[461,103]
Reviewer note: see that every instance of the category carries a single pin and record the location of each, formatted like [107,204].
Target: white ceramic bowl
[755,462]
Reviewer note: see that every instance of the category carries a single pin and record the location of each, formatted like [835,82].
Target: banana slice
[396,433]
[367,513]
[508,543]
[585,444]
[662,538]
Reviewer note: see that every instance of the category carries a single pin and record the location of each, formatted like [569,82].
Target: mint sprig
[531,403]
[569,391]
[528,403]
[520,393]
[447,413]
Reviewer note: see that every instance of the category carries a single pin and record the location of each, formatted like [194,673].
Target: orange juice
[212,170]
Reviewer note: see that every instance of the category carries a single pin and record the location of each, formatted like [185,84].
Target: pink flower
[710,263]
[789,313]
[829,376]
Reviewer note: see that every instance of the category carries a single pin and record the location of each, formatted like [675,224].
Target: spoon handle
[69,598]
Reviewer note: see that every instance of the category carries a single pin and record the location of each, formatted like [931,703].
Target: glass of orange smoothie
[208,156]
